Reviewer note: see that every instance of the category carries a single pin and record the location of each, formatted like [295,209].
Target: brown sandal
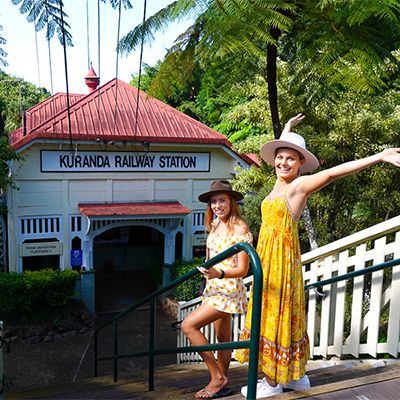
[223,392]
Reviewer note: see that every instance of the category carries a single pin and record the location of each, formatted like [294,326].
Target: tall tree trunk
[312,236]
[270,77]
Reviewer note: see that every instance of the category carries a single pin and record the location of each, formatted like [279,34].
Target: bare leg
[191,325]
[223,331]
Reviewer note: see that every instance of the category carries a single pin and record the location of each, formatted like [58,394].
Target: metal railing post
[255,326]
[152,340]
[95,343]
[115,333]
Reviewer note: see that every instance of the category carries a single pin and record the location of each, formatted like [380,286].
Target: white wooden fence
[359,316]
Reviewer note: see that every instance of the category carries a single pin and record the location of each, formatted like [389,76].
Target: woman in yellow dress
[224,293]
[284,347]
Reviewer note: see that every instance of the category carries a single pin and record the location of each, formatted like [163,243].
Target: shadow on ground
[71,358]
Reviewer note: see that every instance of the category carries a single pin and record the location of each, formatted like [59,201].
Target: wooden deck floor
[361,382]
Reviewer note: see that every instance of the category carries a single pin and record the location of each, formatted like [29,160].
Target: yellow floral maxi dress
[284,346]
[227,294]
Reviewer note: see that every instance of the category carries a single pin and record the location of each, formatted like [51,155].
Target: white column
[187,237]
[87,244]
[169,248]
[86,253]
[65,232]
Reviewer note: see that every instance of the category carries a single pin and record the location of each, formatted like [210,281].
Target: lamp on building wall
[145,145]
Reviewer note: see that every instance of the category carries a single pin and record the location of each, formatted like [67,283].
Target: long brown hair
[233,218]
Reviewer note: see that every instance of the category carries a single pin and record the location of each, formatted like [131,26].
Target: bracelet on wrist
[222,274]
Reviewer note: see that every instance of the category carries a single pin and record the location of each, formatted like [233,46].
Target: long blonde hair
[233,219]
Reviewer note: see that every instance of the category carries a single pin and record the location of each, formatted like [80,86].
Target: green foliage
[7,153]
[189,289]
[16,96]
[339,64]
[336,44]
[355,127]
[337,130]
[177,79]
[30,295]
[345,44]
[255,183]
[146,78]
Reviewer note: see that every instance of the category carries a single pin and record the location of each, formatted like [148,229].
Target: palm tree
[223,30]
[49,14]
[3,54]
[344,45]
[334,41]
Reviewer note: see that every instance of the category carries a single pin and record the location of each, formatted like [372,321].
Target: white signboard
[199,239]
[99,161]
[41,249]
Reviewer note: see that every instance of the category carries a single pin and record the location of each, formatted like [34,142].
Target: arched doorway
[128,261]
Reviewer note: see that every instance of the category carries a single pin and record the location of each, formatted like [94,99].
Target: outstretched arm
[292,122]
[312,183]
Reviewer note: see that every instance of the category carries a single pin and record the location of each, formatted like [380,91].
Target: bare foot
[214,386]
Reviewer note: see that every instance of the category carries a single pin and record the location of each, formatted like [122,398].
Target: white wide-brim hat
[292,141]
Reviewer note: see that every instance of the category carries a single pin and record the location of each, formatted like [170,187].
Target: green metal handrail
[252,344]
[349,275]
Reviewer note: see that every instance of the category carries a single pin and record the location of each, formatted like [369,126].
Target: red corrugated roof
[255,158]
[99,116]
[107,209]
[41,113]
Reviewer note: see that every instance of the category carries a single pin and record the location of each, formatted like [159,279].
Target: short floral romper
[227,294]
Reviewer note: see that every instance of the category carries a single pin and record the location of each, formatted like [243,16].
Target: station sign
[41,249]
[98,161]
[199,239]
[76,258]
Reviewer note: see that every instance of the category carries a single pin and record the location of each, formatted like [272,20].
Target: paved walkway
[180,382]
[71,358]
[388,390]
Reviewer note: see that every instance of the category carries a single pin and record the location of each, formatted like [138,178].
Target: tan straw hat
[220,187]
[293,141]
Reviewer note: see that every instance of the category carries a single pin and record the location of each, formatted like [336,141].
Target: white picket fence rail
[359,316]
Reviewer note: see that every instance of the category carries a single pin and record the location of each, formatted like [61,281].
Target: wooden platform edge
[336,386]
[139,377]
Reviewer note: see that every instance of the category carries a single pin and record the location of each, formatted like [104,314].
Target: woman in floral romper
[224,293]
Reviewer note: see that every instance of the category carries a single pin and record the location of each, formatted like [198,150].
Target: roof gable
[41,112]
[109,114]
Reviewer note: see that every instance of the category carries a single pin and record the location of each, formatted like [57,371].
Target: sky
[23,59]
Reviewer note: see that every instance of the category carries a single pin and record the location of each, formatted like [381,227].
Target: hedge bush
[31,294]
[189,289]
